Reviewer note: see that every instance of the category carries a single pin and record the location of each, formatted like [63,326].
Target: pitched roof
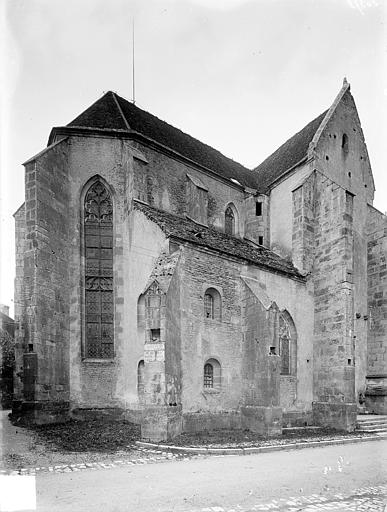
[288,155]
[113,112]
[187,230]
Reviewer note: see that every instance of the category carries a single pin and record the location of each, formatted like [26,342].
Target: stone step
[380,424]
[372,425]
[371,417]
[373,430]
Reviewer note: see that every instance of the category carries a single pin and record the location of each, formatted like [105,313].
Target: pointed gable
[292,152]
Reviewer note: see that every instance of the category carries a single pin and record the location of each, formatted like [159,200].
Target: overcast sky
[242,76]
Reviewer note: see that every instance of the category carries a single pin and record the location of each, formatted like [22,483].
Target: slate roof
[187,230]
[113,112]
[287,155]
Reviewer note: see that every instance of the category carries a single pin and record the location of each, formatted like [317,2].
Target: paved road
[298,480]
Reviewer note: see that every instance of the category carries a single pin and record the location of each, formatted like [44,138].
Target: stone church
[159,281]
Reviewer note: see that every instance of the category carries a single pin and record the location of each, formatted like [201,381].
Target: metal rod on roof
[133,76]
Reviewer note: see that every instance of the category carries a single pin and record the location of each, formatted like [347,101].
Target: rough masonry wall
[206,338]
[45,319]
[346,163]
[296,298]
[303,240]
[165,179]
[21,324]
[281,211]
[377,294]
[108,383]
[261,379]
[333,288]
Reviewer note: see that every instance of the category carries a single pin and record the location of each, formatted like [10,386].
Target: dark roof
[187,230]
[113,112]
[287,155]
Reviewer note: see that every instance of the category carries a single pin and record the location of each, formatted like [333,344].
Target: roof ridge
[120,110]
[186,134]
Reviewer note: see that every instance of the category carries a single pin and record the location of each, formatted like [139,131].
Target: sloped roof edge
[186,230]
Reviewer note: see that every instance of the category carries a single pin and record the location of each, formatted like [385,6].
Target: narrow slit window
[208,306]
[229,225]
[260,240]
[258,209]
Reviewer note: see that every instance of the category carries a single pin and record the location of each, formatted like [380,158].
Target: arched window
[208,375]
[212,374]
[208,305]
[98,243]
[344,143]
[288,344]
[229,221]
[140,380]
[212,304]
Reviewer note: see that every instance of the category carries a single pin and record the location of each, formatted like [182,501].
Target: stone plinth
[262,420]
[340,416]
[161,423]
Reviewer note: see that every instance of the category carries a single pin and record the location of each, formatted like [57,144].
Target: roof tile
[187,230]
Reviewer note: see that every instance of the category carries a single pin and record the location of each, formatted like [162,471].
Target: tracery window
[98,242]
[285,340]
[229,223]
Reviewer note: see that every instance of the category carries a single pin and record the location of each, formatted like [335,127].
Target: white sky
[242,76]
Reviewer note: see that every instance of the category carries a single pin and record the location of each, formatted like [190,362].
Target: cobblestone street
[332,478]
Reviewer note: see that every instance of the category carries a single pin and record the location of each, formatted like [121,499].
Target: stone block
[262,420]
[161,423]
[339,416]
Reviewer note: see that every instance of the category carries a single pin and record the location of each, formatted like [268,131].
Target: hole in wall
[334,136]
[350,174]
[272,351]
[349,361]
[326,157]
[260,240]
[30,347]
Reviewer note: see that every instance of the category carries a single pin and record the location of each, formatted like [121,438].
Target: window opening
[208,305]
[140,379]
[260,240]
[229,226]
[344,143]
[284,346]
[208,375]
[258,209]
[155,335]
[98,242]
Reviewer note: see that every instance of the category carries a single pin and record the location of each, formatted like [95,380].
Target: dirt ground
[74,442]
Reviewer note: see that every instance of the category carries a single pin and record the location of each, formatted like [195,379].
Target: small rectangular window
[155,335]
[260,240]
[258,209]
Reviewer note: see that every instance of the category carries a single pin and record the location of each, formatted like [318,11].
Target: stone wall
[376,392]
[334,371]
[43,300]
[165,182]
